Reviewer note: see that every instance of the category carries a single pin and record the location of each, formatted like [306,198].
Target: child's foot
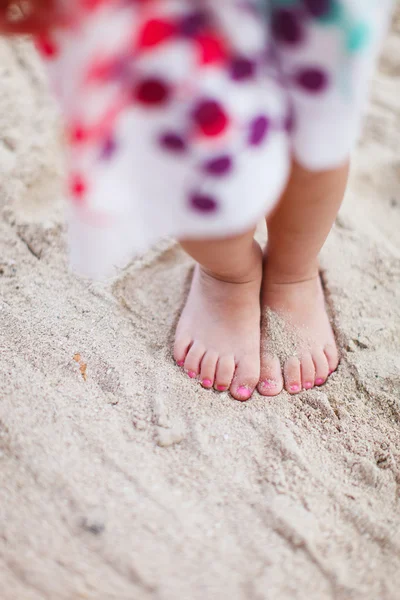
[218,335]
[298,348]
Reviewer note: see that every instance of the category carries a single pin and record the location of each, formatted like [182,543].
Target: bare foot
[218,335]
[298,348]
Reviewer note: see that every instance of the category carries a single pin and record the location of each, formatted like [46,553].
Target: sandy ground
[119,478]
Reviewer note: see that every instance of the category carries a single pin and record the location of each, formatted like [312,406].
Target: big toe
[271,380]
[245,379]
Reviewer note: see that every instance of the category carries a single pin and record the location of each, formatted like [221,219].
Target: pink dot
[78,134]
[78,187]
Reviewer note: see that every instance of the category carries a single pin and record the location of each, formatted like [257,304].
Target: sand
[119,477]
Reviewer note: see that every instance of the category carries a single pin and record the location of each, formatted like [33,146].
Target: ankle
[277,273]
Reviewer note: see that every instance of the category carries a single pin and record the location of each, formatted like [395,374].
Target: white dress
[182,116]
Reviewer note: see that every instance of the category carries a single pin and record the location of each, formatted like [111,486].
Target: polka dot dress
[182,116]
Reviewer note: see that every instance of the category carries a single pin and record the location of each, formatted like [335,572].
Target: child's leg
[291,285]
[218,335]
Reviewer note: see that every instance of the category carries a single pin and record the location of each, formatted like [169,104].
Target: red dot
[152,91]
[46,47]
[78,187]
[210,118]
[154,32]
[211,49]
[78,134]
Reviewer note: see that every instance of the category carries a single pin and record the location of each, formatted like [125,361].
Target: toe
[224,373]
[292,375]
[271,380]
[332,356]
[208,367]
[193,359]
[321,366]
[245,379]
[181,348]
[307,371]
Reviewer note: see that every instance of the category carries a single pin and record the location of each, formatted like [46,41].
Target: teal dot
[357,37]
[335,14]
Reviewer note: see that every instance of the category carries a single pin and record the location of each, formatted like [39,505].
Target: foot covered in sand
[298,348]
[218,335]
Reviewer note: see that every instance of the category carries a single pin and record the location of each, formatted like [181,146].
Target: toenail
[307,385]
[294,388]
[269,383]
[222,388]
[244,392]
[192,374]
[180,363]
[206,383]
[319,381]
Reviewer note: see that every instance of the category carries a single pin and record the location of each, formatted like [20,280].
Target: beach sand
[122,479]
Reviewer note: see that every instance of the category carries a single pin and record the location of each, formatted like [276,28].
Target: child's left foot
[298,348]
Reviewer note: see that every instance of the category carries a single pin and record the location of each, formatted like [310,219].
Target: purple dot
[318,8]
[287,26]
[173,142]
[194,23]
[219,166]
[108,149]
[242,68]
[313,80]
[258,130]
[203,203]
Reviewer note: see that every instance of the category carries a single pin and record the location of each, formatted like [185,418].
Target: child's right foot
[218,334]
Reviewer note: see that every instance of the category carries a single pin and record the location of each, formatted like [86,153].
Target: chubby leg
[292,295]
[218,335]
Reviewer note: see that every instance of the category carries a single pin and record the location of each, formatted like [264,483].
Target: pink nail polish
[221,388]
[207,383]
[244,392]
[269,383]
[319,381]
[180,363]
[294,388]
[192,374]
[308,385]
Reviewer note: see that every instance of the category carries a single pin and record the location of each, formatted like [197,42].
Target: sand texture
[120,479]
